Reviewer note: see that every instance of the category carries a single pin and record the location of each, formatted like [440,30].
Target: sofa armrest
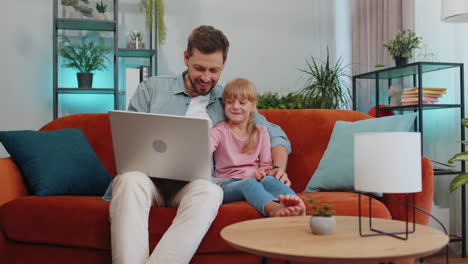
[12,184]
[423,199]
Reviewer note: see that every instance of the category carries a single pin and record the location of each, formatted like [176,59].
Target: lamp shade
[388,162]
[454,11]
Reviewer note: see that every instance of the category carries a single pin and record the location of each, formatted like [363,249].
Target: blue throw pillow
[59,162]
[335,171]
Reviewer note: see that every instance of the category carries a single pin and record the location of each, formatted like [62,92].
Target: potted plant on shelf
[324,88]
[149,6]
[136,41]
[80,9]
[101,9]
[85,57]
[460,179]
[322,221]
[402,46]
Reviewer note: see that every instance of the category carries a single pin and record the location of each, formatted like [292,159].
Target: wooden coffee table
[290,238]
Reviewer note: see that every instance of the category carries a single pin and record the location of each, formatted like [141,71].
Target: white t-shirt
[197,108]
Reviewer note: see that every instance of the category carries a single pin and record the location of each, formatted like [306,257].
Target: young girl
[242,154]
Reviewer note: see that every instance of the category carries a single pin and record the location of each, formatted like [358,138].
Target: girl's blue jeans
[256,193]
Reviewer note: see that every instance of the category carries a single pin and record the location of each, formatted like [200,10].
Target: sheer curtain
[374,22]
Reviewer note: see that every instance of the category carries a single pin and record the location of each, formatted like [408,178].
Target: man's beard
[194,88]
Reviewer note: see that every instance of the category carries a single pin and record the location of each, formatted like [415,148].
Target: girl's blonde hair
[245,89]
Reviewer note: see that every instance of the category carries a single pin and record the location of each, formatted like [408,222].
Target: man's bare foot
[294,201]
[290,205]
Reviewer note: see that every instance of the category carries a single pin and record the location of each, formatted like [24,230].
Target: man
[194,93]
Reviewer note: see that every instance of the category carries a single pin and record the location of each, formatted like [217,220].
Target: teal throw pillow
[335,171]
[59,162]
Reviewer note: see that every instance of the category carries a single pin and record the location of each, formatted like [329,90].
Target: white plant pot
[322,225]
[101,16]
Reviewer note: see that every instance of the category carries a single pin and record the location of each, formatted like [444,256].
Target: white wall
[270,40]
[26,64]
[447,42]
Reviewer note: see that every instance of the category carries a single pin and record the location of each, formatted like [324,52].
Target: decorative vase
[101,16]
[134,44]
[400,61]
[322,225]
[85,80]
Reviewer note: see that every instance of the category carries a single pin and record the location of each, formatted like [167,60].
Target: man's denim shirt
[166,95]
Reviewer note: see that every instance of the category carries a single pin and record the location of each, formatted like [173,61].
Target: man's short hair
[208,40]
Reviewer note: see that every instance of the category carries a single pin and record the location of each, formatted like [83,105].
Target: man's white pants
[133,194]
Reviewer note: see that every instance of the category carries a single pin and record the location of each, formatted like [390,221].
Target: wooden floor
[439,258]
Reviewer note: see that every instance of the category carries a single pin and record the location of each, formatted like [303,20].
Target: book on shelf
[415,103]
[415,90]
[440,90]
[416,99]
[430,95]
[424,94]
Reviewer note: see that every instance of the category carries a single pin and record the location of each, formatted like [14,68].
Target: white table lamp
[454,11]
[387,162]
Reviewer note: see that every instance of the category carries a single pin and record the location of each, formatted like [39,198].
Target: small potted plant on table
[86,57]
[322,221]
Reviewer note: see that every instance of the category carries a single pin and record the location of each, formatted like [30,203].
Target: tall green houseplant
[324,88]
[460,179]
[149,6]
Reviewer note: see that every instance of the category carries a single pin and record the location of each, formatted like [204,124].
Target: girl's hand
[260,173]
[280,174]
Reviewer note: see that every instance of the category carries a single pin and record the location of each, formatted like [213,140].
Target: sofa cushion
[59,162]
[309,131]
[83,221]
[335,171]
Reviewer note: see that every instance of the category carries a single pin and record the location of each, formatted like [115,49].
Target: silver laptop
[161,146]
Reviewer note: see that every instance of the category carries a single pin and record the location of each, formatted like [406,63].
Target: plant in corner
[324,88]
[322,221]
[270,100]
[101,8]
[85,57]
[149,6]
[460,179]
[402,46]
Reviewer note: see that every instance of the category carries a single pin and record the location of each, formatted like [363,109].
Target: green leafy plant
[149,6]
[270,100]
[101,7]
[324,88]
[403,44]
[460,179]
[83,9]
[86,56]
[136,36]
[317,209]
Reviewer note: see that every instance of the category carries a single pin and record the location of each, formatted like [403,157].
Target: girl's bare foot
[290,205]
[294,201]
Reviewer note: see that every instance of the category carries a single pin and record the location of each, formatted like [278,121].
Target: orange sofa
[76,229]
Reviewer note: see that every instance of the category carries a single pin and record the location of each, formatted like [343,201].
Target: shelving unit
[416,71]
[112,25]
